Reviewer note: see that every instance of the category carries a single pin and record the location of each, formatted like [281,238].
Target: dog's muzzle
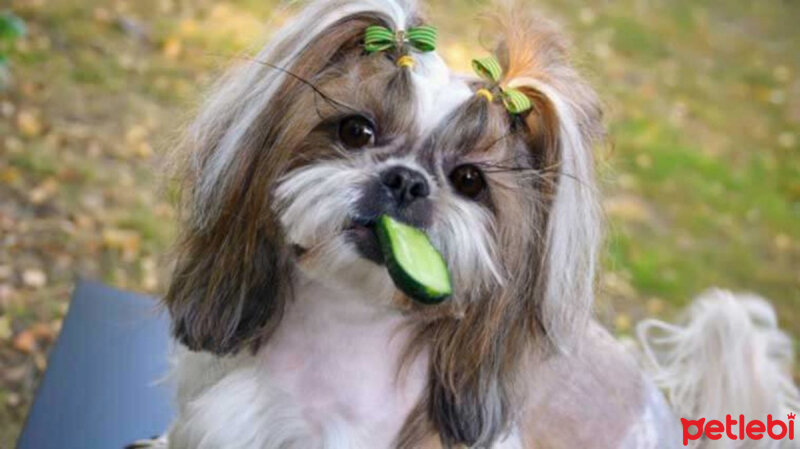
[398,191]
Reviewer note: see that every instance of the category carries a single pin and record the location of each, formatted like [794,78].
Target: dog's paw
[153,443]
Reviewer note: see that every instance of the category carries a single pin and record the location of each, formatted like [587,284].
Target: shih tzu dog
[293,333]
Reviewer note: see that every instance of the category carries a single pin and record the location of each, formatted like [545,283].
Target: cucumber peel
[416,267]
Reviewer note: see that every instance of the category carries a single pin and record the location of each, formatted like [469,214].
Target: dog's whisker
[336,104]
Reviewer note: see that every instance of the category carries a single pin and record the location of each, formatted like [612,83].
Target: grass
[701,175]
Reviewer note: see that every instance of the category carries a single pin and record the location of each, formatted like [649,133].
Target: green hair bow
[379,38]
[514,100]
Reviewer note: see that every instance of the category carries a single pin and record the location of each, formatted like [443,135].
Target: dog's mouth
[361,232]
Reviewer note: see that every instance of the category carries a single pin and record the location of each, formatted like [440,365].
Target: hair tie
[379,38]
[406,61]
[513,99]
[422,39]
[486,93]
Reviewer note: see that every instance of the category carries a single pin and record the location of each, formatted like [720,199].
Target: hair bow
[489,69]
[379,38]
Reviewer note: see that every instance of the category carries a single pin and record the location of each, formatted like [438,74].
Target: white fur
[327,379]
[656,426]
[729,358]
[461,232]
[316,202]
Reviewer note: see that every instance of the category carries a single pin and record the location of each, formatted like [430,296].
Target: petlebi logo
[738,429]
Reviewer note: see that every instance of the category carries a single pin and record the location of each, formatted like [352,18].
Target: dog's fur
[291,338]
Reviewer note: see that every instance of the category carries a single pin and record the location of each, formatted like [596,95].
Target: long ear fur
[536,59]
[477,361]
[233,271]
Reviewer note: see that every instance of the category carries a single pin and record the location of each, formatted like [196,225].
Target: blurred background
[701,174]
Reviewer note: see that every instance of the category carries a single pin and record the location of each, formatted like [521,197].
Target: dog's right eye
[356,132]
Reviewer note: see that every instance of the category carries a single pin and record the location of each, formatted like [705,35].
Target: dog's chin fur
[337,264]
[292,333]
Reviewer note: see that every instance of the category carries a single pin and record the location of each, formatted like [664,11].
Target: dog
[292,334]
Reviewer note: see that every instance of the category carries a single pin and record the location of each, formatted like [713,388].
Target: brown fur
[233,274]
[475,387]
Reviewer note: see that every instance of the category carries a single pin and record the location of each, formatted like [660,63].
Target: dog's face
[421,147]
[299,151]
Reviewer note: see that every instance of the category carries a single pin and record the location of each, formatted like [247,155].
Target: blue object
[102,388]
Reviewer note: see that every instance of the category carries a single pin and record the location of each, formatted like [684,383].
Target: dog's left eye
[356,132]
[468,180]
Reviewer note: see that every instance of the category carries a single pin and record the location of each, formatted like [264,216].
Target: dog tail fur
[727,357]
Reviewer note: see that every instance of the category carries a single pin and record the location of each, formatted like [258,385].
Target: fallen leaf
[6,293]
[136,134]
[43,191]
[7,109]
[622,322]
[93,201]
[83,222]
[143,150]
[10,175]
[29,124]
[123,240]
[149,274]
[13,399]
[29,89]
[12,144]
[172,48]
[783,242]
[188,27]
[43,331]
[14,374]
[25,342]
[56,326]
[40,361]
[33,277]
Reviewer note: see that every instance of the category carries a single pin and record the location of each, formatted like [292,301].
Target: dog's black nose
[405,184]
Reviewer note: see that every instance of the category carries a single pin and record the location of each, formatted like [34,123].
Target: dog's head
[299,150]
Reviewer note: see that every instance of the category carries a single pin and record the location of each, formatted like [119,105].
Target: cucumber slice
[416,267]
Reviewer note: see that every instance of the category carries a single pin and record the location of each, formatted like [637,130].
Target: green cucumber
[416,267]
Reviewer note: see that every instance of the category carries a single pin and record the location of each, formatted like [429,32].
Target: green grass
[36,161]
[156,235]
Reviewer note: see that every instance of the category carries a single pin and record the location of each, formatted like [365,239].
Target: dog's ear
[477,361]
[233,269]
[469,397]
[229,288]
[561,131]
